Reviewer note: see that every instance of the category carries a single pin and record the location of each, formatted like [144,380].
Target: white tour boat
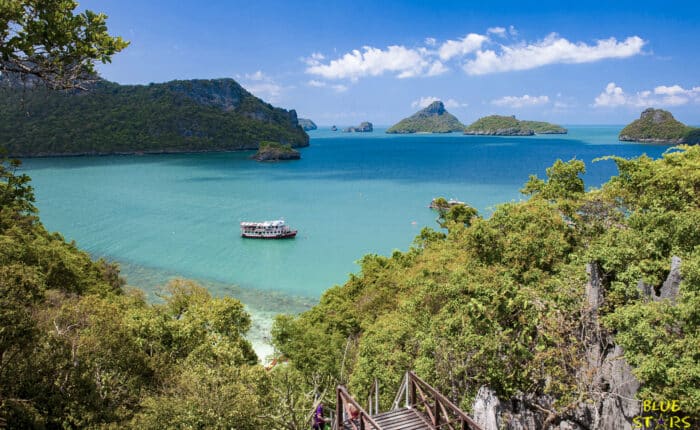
[276,229]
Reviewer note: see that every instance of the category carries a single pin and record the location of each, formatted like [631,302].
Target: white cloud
[424,102]
[468,44]
[476,53]
[662,95]
[339,88]
[315,83]
[314,59]
[521,101]
[553,49]
[263,86]
[257,76]
[498,31]
[437,68]
[405,62]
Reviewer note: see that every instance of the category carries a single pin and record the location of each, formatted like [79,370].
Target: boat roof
[273,223]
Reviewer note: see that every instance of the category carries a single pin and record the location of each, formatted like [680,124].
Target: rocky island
[364,127]
[307,124]
[178,116]
[499,125]
[432,119]
[659,126]
[273,151]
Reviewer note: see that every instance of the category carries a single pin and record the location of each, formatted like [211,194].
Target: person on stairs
[318,421]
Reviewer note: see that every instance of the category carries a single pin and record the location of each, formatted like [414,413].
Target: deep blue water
[349,195]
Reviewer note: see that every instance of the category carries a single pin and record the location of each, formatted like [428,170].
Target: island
[364,127]
[273,151]
[307,124]
[659,126]
[541,127]
[334,128]
[499,125]
[432,119]
[173,117]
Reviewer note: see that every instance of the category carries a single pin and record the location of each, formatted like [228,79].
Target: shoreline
[261,305]
[138,153]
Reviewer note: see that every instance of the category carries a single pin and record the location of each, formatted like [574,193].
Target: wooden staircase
[424,408]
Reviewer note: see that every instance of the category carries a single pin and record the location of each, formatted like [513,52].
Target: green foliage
[178,116]
[46,40]
[494,122]
[509,125]
[541,127]
[457,214]
[501,301]
[563,181]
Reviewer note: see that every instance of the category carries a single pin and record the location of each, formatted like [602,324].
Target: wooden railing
[363,421]
[373,398]
[442,412]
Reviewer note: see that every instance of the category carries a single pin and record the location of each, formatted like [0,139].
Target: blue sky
[346,62]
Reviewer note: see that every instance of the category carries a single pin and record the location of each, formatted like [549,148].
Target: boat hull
[288,235]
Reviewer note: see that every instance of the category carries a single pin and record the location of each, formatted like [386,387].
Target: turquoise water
[162,216]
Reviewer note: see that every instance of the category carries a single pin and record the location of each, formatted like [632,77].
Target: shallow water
[163,216]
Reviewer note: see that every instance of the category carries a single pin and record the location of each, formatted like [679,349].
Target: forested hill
[176,116]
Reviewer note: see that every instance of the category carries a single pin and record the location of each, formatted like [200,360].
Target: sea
[351,194]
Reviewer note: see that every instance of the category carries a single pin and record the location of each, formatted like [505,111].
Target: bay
[177,215]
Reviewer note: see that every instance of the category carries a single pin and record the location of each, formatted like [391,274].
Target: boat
[275,229]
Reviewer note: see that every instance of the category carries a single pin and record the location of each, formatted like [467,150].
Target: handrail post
[405,384]
[436,411]
[376,396]
[412,391]
[338,410]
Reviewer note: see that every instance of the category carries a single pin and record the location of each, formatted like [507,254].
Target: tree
[45,40]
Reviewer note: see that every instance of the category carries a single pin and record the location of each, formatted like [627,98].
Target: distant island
[177,116]
[498,125]
[273,151]
[307,124]
[659,126]
[364,127]
[432,119]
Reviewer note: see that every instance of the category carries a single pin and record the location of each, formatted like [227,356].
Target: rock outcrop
[364,127]
[307,124]
[432,119]
[659,126]
[272,151]
[609,376]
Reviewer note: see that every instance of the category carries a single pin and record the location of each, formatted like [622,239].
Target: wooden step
[402,419]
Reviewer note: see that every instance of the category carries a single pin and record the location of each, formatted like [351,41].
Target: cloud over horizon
[553,49]
[263,86]
[662,95]
[521,101]
[405,62]
[475,54]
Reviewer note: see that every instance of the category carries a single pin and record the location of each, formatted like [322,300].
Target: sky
[346,62]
